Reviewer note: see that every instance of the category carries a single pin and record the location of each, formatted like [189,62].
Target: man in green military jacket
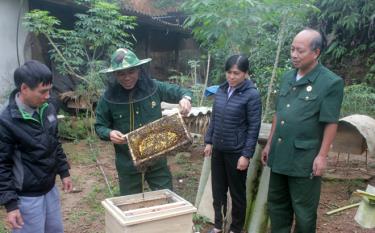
[132,100]
[303,129]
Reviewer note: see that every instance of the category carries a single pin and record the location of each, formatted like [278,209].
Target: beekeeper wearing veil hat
[131,100]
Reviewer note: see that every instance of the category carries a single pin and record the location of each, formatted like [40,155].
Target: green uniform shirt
[303,109]
[112,116]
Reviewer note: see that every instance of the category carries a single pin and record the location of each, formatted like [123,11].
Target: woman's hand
[117,137]
[243,163]
[208,150]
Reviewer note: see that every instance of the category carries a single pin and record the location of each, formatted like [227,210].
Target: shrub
[358,99]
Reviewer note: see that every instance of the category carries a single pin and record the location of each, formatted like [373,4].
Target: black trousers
[225,175]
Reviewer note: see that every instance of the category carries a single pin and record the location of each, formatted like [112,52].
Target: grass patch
[77,182]
[77,215]
[93,199]
[191,192]
[82,156]
[3,229]
[3,214]
[199,222]
[181,174]
[181,159]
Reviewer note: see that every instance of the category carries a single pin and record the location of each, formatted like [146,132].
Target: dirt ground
[341,179]
[83,212]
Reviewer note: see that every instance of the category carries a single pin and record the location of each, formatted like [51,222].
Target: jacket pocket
[225,142]
[307,104]
[304,154]
[17,169]
[282,98]
[284,92]
[121,122]
[240,138]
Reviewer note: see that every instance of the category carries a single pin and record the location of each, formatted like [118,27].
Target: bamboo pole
[342,209]
[98,164]
[259,217]
[104,175]
[252,182]
[270,85]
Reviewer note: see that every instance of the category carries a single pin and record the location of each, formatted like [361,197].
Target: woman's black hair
[240,60]
[32,73]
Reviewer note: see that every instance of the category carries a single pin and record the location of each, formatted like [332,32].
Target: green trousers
[293,196]
[157,175]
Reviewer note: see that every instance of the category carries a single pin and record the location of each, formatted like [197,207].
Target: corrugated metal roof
[147,7]
[153,18]
[195,111]
[170,109]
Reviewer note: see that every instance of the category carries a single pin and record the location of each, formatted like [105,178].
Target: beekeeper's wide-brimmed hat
[124,59]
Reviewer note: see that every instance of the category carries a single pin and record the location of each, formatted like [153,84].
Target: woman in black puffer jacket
[231,139]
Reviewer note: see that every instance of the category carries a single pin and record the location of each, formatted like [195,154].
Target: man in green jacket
[303,128]
[132,100]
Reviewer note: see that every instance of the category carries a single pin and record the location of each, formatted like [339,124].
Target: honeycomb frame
[157,139]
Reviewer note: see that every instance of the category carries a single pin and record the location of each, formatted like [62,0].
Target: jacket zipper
[224,110]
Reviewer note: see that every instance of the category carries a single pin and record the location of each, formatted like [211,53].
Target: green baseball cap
[124,59]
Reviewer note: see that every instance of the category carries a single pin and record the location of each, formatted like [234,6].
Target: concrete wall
[8,49]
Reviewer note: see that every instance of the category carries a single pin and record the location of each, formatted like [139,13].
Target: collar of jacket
[144,88]
[246,84]
[308,78]
[15,112]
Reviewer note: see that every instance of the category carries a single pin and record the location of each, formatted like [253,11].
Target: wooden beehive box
[157,139]
[160,211]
